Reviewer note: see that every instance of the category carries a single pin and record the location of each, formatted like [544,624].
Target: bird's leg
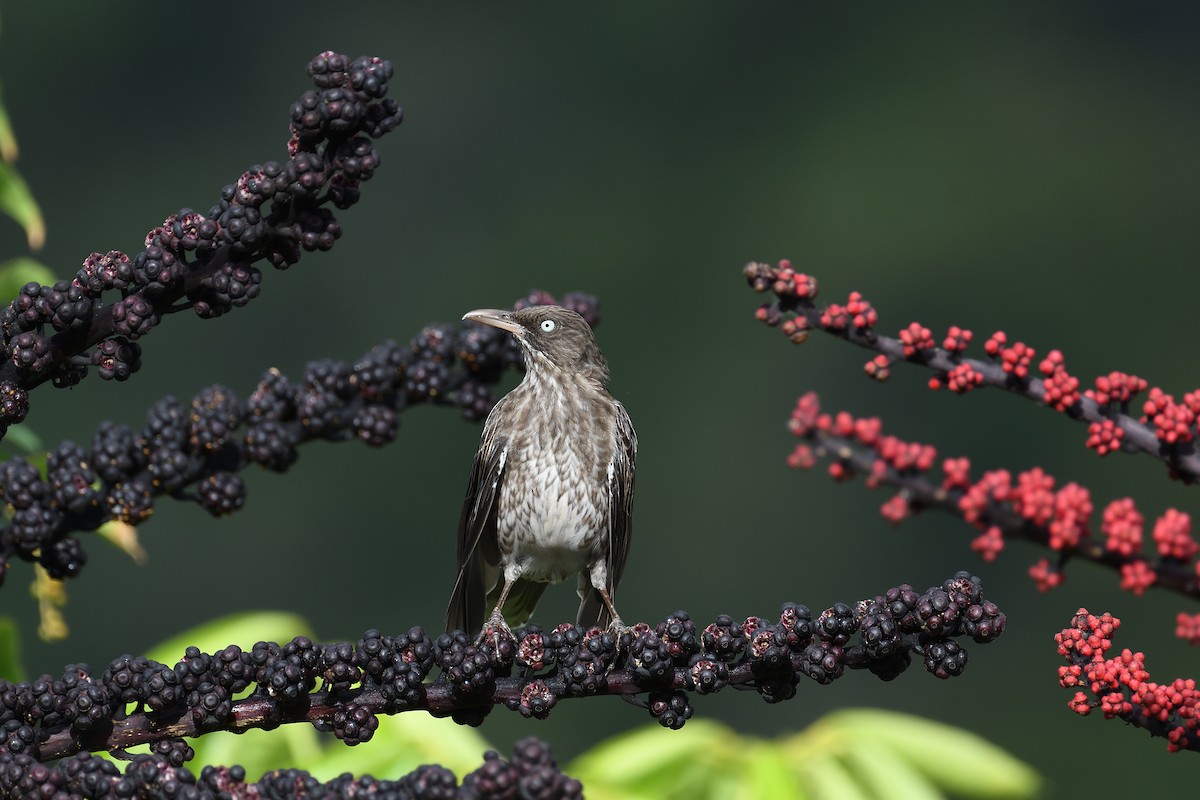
[617,628]
[496,626]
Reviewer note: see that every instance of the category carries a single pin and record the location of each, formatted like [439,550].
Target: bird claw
[495,631]
[618,630]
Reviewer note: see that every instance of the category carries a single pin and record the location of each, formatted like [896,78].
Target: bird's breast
[554,505]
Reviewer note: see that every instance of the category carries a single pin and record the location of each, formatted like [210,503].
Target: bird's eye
[548,325]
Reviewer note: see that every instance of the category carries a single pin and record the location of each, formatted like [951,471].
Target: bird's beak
[497,319]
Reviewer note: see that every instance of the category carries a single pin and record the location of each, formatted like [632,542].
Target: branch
[272,213]
[532,771]
[1167,430]
[202,447]
[1029,507]
[1121,687]
[53,718]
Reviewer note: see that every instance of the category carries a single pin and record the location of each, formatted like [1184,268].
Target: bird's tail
[466,610]
[521,600]
[592,610]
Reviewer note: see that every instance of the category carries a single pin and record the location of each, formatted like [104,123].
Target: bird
[550,493]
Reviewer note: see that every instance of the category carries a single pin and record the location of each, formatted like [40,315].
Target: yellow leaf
[125,537]
[51,596]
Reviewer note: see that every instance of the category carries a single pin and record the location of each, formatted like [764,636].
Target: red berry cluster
[960,380]
[1030,504]
[796,329]
[794,283]
[878,367]
[1061,388]
[1116,387]
[916,338]
[1015,359]
[781,279]
[1166,429]
[857,313]
[1173,422]
[957,339]
[1120,685]
[1104,437]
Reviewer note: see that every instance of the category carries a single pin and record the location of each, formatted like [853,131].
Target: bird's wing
[620,487]
[592,610]
[478,553]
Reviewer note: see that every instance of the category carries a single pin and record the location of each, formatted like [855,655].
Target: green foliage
[16,272]
[244,630]
[858,753]
[17,202]
[21,440]
[8,140]
[15,198]
[10,654]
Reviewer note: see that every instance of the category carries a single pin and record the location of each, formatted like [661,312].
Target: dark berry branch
[1120,686]
[531,772]
[1029,507]
[206,262]
[194,452]
[137,701]
[1167,429]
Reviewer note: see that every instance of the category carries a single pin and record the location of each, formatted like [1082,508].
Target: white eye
[548,325]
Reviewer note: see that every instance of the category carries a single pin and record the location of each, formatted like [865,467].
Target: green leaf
[955,760]
[16,272]
[21,440]
[402,743]
[826,778]
[242,629]
[655,762]
[768,774]
[10,651]
[256,750]
[8,140]
[884,774]
[17,202]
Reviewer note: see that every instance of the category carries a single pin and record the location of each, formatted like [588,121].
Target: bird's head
[552,336]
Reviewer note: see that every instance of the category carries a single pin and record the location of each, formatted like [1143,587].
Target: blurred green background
[1024,166]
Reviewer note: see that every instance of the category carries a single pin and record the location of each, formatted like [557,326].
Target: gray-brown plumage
[551,489]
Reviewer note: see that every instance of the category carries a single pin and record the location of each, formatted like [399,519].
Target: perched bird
[551,489]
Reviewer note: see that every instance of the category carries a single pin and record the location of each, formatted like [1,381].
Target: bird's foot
[618,629]
[623,636]
[495,632]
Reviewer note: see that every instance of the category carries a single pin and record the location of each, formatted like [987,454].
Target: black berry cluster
[395,666]
[195,450]
[344,687]
[387,674]
[273,212]
[878,634]
[531,772]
